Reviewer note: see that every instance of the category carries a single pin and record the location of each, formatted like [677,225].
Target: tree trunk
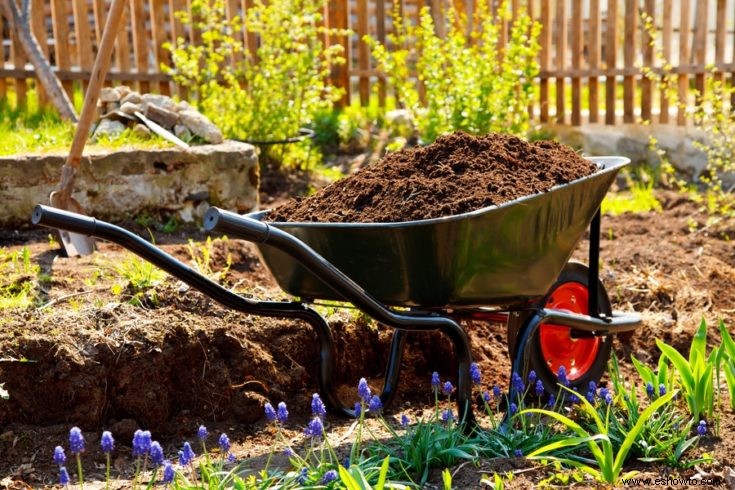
[19,19]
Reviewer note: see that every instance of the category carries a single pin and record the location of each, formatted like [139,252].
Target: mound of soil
[456,174]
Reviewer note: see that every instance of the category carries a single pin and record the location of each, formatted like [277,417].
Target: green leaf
[570,424]
[349,481]
[727,341]
[383,473]
[447,479]
[680,364]
[565,443]
[645,372]
[699,344]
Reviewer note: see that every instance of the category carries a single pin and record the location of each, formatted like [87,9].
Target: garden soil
[456,174]
[90,358]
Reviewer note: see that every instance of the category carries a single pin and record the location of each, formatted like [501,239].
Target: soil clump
[456,174]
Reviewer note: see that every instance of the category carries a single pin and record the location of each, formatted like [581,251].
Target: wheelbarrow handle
[227,222]
[63,220]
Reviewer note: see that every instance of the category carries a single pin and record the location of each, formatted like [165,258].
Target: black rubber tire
[573,272]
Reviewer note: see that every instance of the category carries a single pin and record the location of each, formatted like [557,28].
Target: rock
[162,101]
[164,117]
[131,108]
[133,98]
[201,126]
[182,132]
[108,127]
[400,122]
[183,106]
[123,91]
[141,130]
[109,94]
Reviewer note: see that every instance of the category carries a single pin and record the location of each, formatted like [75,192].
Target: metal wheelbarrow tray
[502,263]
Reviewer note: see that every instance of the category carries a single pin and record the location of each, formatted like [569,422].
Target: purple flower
[486,396]
[661,389]
[375,404]
[202,432]
[224,443]
[435,382]
[539,388]
[303,476]
[363,390]
[496,392]
[63,476]
[447,388]
[592,386]
[447,415]
[702,428]
[573,399]
[358,409]
[315,428]
[317,406]
[282,413]
[513,408]
[270,412]
[604,392]
[188,452]
[183,460]
[107,442]
[329,477]
[518,453]
[156,453]
[532,377]
[552,401]
[168,472]
[590,397]
[59,456]
[475,374]
[404,420]
[288,452]
[517,383]
[231,458]
[141,442]
[562,376]
[76,440]
[346,463]
[649,389]
[608,398]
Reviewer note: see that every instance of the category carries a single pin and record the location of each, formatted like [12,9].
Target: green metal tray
[495,256]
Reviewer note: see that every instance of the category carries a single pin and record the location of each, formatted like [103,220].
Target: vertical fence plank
[594,60]
[380,28]
[531,12]
[363,54]
[629,55]
[60,18]
[699,45]
[18,59]
[100,16]
[122,44]
[545,62]
[233,10]
[338,19]
[83,35]
[38,25]
[179,32]
[140,44]
[720,35]
[561,53]
[683,80]
[3,83]
[576,62]
[158,37]
[611,43]
[666,34]
[647,44]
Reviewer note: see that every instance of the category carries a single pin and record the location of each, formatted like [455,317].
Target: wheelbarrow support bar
[77,223]
[257,231]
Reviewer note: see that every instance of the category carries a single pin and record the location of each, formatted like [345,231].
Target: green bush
[471,82]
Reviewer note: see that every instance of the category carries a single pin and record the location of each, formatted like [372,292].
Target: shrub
[471,82]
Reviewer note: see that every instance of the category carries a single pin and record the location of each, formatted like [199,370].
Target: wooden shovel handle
[99,71]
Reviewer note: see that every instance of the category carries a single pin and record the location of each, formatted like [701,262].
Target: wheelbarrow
[507,263]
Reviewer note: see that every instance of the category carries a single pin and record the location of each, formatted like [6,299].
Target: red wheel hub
[557,345]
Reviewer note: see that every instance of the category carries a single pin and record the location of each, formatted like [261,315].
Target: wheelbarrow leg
[520,359]
[393,367]
[463,352]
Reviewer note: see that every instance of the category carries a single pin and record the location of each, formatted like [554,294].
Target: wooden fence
[591,57]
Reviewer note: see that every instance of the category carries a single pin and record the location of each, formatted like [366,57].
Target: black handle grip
[63,220]
[217,219]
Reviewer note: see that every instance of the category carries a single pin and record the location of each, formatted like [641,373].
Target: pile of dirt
[456,174]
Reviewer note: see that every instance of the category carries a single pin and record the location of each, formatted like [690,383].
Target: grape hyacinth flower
[358,409]
[475,374]
[375,404]
[404,420]
[435,382]
[317,406]
[702,428]
[604,392]
[363,390]
[592,386]
[141,442]
[649,389]
[107,443]
[518,453]
[447,388]
[224,443]
[539,388]
[303,474]
[513,408]
[202,433]
[231,458]
[346,463]
[63,476]
[329,477]
[76,440]
[562,376]
[552,401]
[532,377]
[59,456]
[168,472]
[517,383]
[661,389]
[183,460]
[447,416]
[486,396]
[270,412]
[573,399]
[156,452]
[188,452]
[590,397]
[315,429]
[496,392]
[608,398]
[282,413]
[288,452]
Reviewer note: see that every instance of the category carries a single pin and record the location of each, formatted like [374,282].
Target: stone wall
[122,184]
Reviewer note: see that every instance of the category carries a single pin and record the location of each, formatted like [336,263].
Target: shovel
[75,243]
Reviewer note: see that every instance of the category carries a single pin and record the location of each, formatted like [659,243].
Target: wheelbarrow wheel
[584,357]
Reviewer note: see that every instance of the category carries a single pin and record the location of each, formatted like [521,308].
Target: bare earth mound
[456,174]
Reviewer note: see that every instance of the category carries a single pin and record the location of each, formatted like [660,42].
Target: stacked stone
[120,104]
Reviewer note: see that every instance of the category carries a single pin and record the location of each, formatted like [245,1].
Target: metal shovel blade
[74,244]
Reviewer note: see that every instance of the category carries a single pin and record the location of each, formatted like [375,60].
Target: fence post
[681,117]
